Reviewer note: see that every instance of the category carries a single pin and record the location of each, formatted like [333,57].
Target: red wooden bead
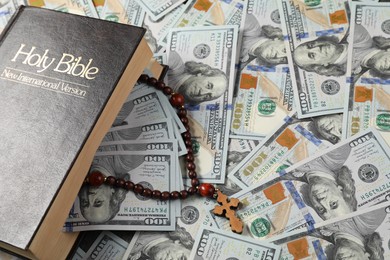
[206,190]
[129,185]
[152,81]
[147,193]
[156,194]
[187,127]
[191,190]
[190,166]
[110,180]
[183,194]
[167,90]
[120,183]
[186,135]
[189,149]
[192,174]
[138,189]
[143,78]
[174,195]
[188,143]
[184,120]
[190,157]
[96,179]
[194,182]
[182,112]
[160,85]
[165,195]
[177,100]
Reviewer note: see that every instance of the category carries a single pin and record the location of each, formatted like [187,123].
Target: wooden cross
[227,211]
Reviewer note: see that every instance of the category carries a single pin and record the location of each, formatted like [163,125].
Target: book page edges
[50,242]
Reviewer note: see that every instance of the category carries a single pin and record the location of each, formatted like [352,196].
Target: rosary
[226,206]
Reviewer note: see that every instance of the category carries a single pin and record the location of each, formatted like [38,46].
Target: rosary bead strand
[203,189]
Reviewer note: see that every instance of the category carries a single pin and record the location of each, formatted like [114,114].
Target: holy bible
[63,79]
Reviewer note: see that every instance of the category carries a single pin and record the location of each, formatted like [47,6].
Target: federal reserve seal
[266,107]
[189,215]
[260,227]
[386,26]
[145,185]
[275,16]
[330,87]
[368,173]
[201,51]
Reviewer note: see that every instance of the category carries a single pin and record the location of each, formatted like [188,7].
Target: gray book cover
[57,72]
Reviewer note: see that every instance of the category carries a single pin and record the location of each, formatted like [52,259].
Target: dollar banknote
[7,9]
[215,244]
[215,12]
[146,145]
[194,214]
[239,147]
[99,244]
[294,140]
[211,50]
[80,7]
[157,31]
[107,246]
[157,129]
[145,105]
[368,67]
[123,11]
[264,94]
[362,236]
[156,9]
[107,208]
[350,175]
[317,33]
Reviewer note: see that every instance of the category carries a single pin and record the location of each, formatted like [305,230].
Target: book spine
[11,22]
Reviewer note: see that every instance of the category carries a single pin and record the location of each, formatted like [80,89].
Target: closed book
[63,80]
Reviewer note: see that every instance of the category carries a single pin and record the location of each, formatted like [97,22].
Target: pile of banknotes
[288,104]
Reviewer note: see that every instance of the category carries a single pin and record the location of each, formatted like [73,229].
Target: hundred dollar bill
[350,175]
[80,7]
[101,244]
[264,94]
[294,140]
[367,101]
[158,30]
[107,208]
[201,61]
[146,145]
[317,33]
[362,236]
[157,129]
[156,9]
[239,148]
[123,11]
[107,246]
[7,9]
[214,12]
[194,214]
[215,244]
[146,105]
